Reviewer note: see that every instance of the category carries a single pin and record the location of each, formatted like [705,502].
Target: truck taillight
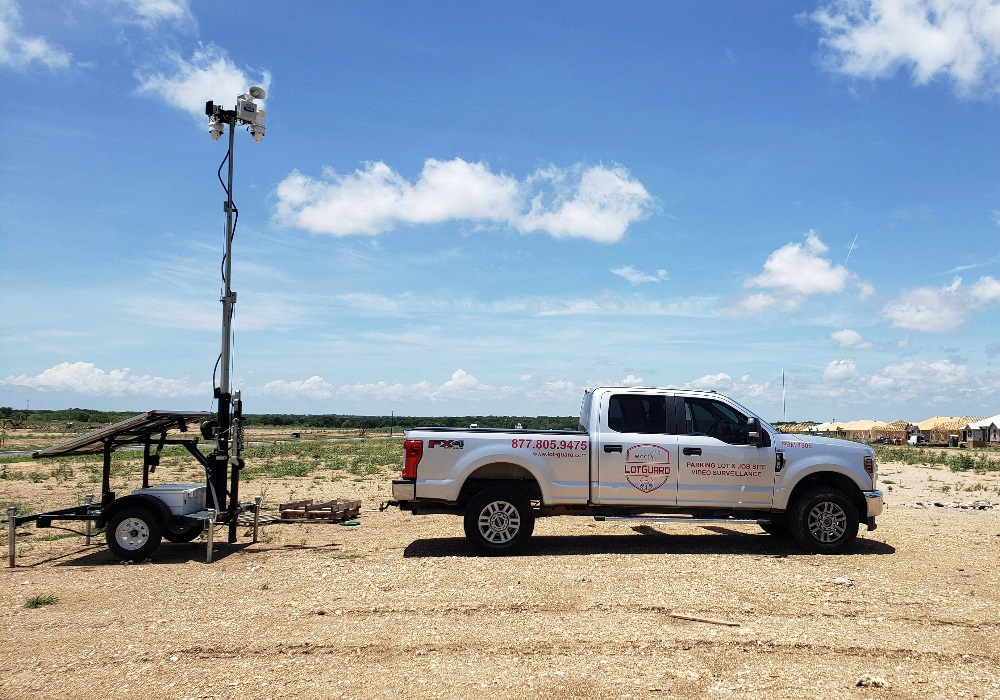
[413,450]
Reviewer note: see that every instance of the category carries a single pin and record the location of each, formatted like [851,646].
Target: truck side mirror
[753,431]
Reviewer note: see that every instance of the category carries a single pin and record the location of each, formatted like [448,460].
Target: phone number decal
[531,444]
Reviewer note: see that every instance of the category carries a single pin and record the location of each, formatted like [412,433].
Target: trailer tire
[824,521]
[134,533]
[499,520]
[179,534]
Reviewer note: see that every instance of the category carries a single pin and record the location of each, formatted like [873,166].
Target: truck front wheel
[824,521]
[133,533]
[499,520]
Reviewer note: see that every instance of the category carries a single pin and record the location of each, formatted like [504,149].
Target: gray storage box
[182,499]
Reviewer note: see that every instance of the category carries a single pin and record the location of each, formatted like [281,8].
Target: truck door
[716,464]
[636,456]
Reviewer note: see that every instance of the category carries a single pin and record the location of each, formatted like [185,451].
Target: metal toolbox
[182,499]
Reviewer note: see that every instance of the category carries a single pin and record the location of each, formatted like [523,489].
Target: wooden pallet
[328,511]
[246,519]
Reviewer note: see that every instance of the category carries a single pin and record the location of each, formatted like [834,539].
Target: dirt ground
[399,606]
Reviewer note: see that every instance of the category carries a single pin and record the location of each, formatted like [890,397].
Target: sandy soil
[399,606]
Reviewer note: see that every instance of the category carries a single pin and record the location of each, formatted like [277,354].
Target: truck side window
[631,413]
[715,419]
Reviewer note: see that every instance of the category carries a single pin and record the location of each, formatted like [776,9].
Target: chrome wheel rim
[827,522]
[499,522]
[132,533]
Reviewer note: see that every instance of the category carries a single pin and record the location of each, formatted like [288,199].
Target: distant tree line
[65,415]
[88,416]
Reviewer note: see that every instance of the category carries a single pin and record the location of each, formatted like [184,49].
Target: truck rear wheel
[499,520]
[133,533]
[824,521]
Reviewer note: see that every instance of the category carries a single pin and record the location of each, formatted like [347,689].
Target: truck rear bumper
[404,489]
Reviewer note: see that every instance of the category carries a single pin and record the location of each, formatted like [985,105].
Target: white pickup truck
[650,455]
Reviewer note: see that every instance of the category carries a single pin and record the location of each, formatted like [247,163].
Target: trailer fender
[141,500]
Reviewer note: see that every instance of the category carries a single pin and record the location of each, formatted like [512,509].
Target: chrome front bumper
[874,501]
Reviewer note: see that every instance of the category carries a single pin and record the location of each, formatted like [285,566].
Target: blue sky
[483,208]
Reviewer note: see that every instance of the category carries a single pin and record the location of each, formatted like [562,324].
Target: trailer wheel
[179,534]
[499,520]
[133,533]
[824,521]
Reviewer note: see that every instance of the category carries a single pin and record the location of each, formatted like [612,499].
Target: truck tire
[499,520]
[824,521]
[179,534]
[134,533]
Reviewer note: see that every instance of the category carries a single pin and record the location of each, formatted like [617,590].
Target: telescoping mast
[227,458]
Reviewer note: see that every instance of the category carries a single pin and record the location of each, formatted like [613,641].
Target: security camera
[257,127]
[215,128]
[257,92]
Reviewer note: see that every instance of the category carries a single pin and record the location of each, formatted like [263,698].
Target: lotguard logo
[647,467]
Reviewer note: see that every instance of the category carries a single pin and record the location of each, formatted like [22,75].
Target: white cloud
[88,379]
[801,269]
[460,387]
[189,84]
[740,388]
[839,371]
[928,376]
[927,309]
[376,199]
[151,12]
[794,272]
[636,277]
[986,290]
[941,310]
[19,50]
[955,39]
[632,380]
[848,338]
[313,388]
[599,205]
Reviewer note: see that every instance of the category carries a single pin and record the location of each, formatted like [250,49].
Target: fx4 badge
[446,444]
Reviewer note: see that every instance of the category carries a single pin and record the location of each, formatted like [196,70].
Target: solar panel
[131,431]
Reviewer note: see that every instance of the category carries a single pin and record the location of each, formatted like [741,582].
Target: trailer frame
[152,431]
